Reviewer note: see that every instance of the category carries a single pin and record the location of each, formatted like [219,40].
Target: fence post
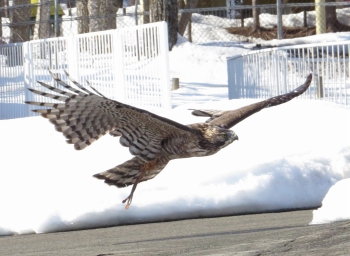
[28,75]
[164,49]
[319,87]
[136,16]
[320,16]
[277,65]
[118,36]
[243,11]
[175,83]
[56,25]
[189,28]
[72,55]
[279,20]
[235,77]
[231,12]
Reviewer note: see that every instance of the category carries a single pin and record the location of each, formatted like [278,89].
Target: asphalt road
[286,233]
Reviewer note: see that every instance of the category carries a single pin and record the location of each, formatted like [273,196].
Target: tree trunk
[166,10]
[171,17]
[19,32]
[256,13]
[145,9]
[108,8]
[83,14]
[332,23]
[42,21]
[186,17]
[97,15]
[119,4]
[331,17]
[181,4]
[94,12]
[157,10]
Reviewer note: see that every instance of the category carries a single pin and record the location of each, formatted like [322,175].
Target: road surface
[285,233]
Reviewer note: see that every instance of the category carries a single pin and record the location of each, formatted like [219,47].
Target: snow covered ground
[288,157]
[335,205]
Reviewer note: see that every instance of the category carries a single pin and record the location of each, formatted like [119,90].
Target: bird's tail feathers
[127,173]
[122,175]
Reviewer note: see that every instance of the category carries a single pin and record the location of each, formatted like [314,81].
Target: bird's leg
[129,198]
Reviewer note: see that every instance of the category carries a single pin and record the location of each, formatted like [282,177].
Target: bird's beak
[234,136]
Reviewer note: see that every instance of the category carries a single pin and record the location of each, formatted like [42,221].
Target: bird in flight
[85,115]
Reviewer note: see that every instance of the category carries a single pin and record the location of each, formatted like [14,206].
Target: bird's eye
[224,136]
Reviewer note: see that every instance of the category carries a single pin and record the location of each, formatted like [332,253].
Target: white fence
[128,65]
[269,72]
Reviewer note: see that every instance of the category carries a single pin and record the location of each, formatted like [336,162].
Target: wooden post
[190,30]
[242,17]
[175,83]
[256,14]
[279,20]
[319,87]
[136,17]
[56,24]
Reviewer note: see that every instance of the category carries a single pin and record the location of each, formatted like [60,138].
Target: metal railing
[129,65]
[270,72]
[12,89]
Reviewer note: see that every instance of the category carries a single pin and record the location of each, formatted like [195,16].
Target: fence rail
[269,72]
[129,65]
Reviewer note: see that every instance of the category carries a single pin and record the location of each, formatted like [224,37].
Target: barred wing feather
[85,116]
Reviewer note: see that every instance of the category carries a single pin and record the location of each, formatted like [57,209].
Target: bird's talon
[128,200]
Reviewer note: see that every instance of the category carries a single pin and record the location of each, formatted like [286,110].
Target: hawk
[85,115]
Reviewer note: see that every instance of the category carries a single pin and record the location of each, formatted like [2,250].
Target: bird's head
[218,136]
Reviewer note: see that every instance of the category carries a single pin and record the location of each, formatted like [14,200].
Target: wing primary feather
[65,85]
[96,91]
[49,95]
[274,101]
[44,104]
[54,89]
[230,118]
[76,83]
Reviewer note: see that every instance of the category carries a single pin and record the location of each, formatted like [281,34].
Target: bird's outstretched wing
[227,119]
[85,116]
